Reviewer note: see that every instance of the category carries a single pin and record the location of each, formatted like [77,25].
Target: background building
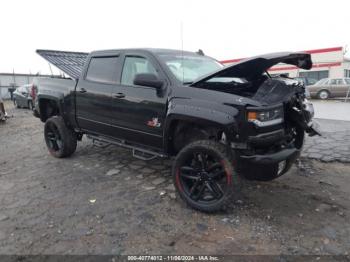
[327,62]
[8,80]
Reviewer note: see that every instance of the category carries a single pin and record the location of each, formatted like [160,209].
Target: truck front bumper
[288,154]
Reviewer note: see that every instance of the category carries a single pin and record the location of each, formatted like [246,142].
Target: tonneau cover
[71,63]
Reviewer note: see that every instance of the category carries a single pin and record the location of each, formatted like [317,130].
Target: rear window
[337,82]
[103,70]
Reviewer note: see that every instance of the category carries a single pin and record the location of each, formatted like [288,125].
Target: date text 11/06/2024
[173,258]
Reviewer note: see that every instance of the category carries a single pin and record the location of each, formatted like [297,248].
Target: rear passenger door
[140,110]
[343,88]
[93,94]
[338,87]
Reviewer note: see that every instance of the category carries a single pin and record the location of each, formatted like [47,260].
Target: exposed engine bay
[250,79]
[264,89]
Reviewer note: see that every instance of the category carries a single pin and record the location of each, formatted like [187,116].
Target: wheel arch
[177,124]
[48,107]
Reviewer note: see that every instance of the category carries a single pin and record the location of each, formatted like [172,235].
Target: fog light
[281,167]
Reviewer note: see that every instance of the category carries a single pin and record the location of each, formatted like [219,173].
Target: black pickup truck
[221,123]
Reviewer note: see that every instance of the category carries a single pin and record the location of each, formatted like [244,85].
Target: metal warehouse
[327,62]
[13,80]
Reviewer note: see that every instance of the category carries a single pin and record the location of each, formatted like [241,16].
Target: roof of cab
[156,51]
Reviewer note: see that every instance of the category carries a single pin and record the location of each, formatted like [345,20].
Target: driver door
[140,110]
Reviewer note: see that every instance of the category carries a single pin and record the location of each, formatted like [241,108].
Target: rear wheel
[204,175]
[60,140]
[323,94]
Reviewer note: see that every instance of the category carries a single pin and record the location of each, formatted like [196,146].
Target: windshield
[188,68]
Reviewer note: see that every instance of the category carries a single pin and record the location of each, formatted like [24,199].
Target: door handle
[82,90]
[119,95]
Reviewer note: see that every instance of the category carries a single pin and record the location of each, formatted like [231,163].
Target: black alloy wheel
[53,137]
[203,175]
[60,140]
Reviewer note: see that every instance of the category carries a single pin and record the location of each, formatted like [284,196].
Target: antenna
[14,77]
[50,69]
[182,52]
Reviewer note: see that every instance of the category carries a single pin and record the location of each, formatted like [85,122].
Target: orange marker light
[252,115]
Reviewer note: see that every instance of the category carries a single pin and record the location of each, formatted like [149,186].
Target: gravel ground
[103,201]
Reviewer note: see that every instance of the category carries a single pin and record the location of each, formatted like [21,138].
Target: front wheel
[204,175]
[60,140]
[323,94]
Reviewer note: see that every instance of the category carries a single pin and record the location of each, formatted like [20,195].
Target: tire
[204,175]
[60,140]
[323,94]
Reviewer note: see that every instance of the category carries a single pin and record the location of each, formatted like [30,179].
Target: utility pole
[2,108]
[14,78]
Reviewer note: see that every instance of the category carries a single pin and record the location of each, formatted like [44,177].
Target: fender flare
[58,101]
[199,112]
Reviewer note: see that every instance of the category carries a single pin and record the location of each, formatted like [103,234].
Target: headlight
[266,117]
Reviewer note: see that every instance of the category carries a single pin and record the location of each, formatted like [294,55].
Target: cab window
[134,65]
[103,70]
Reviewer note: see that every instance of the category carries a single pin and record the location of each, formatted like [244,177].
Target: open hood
[255,66]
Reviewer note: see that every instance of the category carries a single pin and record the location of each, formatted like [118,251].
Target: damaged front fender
[302,115]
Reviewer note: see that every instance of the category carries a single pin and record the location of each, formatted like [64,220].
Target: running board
[142,155]
[100,144]
[137,152]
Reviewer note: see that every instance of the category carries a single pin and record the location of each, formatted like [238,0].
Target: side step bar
[137,151]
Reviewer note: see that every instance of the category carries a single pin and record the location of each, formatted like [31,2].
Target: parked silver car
[22,97]
[330,87]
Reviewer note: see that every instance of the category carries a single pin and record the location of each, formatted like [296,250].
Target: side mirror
[149,80]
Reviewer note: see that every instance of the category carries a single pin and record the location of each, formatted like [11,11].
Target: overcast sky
[223,29]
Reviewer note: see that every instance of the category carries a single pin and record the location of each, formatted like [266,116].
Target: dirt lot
[102,201]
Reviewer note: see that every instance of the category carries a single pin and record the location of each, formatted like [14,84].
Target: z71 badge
[154,122]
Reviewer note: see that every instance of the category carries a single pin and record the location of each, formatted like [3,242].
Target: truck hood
[255,66]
